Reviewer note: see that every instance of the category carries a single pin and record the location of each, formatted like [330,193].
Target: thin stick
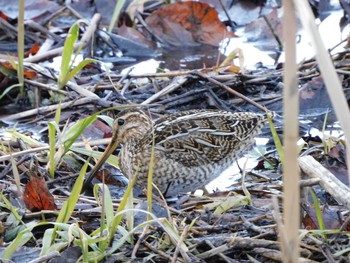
[48,109]
[158,251]
[327,180]
[45,86]
[275,35]
[58,51]
[46,148]
[176,83]
[227,14]
[232,91]
[178,247]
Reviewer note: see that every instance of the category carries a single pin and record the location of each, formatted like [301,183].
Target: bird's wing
[201,137]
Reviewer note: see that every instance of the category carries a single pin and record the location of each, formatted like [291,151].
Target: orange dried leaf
[188,23]
[29,74]
[33,50]
[3,16]
[37,196]
[7,65]
[12,72]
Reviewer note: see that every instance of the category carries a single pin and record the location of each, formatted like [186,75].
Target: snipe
[191,147]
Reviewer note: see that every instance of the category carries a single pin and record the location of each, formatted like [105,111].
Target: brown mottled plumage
[191,147]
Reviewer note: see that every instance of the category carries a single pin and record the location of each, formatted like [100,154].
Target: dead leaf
[37,196]
[330,217]
[111,176]
[97,130]
[187,24]
[7,69]
[3,16]
[133,34]
[34,9]
[340,173]
[221,205]
[33,50]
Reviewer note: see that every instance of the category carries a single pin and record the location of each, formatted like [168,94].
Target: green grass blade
[8,89]
[26,138]
[79,67]
[68,50]
[75,131]
[47,241]
[150,180]
[107,200]
[276,139]
[107,211]
[58,113]
[116,13]
[84,244]
[22,238]
[10,207]
[318,211]
[52,151]
[69,205]
[8,72]
[117,219]
[164,223]
[112,160]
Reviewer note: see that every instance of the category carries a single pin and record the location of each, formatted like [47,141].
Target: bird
[191,148]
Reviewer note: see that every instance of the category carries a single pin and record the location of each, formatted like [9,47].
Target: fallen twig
[328,181]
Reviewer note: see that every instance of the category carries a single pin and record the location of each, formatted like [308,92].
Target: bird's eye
[121,122]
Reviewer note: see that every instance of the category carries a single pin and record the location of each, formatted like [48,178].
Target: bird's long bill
[108,151]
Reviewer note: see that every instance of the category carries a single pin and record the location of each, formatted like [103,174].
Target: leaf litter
[237,224]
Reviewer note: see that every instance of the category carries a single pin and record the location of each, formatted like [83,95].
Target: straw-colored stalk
[20,45]
[329,75]
[290,245]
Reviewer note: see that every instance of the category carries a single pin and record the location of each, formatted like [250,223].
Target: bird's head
[130,124]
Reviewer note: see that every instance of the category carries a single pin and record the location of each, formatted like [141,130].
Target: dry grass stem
[291,177]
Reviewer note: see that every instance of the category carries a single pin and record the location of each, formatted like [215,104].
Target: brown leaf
[97,130]
[340,173]
[33,50]
[309,222]
[3,16]
[29,74]
[330,217]
[187,24]
[34,9]
[338,152]
[37,196]
[133,34]
[108,175]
